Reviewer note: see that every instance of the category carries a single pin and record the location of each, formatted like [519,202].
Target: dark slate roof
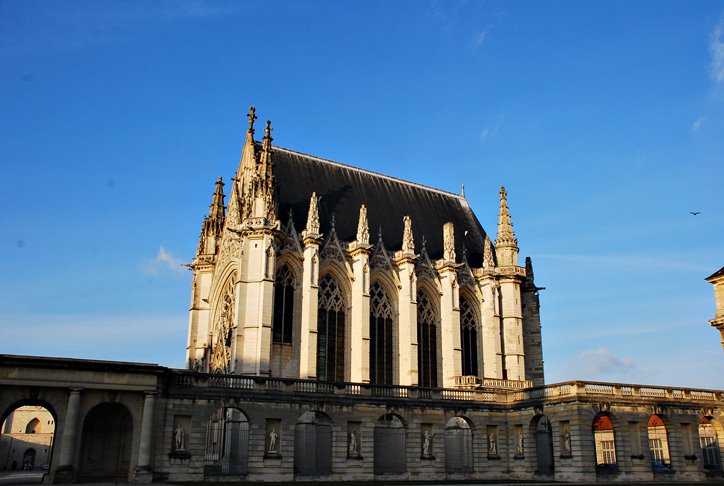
[716,274]
[344,188]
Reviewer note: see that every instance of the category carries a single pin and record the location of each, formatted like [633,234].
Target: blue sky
[604,121]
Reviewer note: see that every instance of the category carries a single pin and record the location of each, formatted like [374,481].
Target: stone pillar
[256,303]
[492,352]
[310,302]
[512,322]
[145,444]
[450,349]
[359,336]
[407,326]
[68,446]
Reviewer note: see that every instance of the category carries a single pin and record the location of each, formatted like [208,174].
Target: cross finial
[251,116]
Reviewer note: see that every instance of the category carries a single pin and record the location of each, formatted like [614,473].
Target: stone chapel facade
[347,325]
[288,281]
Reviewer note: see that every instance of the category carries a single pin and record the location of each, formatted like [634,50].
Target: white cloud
[164,262]
[696,126]
[480,37]
[602,361]
[716,48]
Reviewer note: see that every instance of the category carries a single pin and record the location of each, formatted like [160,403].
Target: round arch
[540,428]
[604,439]
[458,445]
[710,434]
[390,445]
[658,434]
[227,443]
[105,446]
[313,444]
[33,421]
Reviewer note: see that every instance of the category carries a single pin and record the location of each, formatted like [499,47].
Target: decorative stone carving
[313,216]
[488,262]
[179,439]
[363,231]
[448,231]
[408,244]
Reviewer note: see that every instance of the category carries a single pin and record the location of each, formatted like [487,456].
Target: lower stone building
[317,353]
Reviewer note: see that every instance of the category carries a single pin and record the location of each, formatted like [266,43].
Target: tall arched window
[426,341]
[469,338]
[330,331]
[380,336]
[605,443]
[283,306]
[658,443]
[33,427]
[709,445]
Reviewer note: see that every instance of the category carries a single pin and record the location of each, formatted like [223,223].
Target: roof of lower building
[718,273]
[343,189]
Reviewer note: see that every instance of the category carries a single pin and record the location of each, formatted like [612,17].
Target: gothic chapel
[319,270]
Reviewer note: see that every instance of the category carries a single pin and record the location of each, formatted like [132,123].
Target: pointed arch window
[283,306]
[427,320]
[330,330]
[380,336]
[469,337]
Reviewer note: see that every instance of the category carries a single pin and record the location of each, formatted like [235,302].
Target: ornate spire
[408,243]
[216,210]
[506,246]
[313,216]
[363,230]
[448,238]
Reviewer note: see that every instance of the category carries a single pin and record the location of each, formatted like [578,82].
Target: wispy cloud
[163,263]
[491,130]
[716,48]
[633,262]
[480,37]
[696,126]
[602,361]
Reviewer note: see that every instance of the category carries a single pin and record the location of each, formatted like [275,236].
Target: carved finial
[251,116]
[363,231]
[379,234]
[408,243]
[267,137]
[448,233]
[424,244]
[291,217]
[333,222]
[313,216]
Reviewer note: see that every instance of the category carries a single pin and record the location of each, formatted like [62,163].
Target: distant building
[347,325]
[26,439]
[717,280]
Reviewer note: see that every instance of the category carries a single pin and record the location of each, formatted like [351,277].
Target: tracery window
[330,330]
[222,331]
[381,345]
[469,337]
[283,306]
[427,320]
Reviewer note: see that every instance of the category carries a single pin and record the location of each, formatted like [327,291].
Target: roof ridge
[371,172]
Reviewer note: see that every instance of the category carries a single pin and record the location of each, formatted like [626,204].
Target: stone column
[492,352]
[145,444]
[310,302]
[450,349]
[359,338]
[68,447]
[512,318]
[407,328]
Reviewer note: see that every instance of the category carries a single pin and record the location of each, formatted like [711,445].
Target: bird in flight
[694,213]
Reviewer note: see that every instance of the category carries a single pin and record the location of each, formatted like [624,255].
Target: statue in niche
[273,436]
[566,441]
[179,438]
[353,444]
[492,444]
[427,443]
[520,446]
